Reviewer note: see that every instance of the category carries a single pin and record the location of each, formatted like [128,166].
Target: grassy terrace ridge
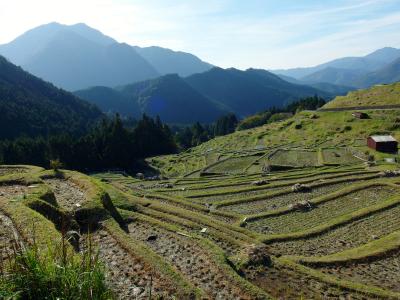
[144,197]
[282,182]
[321,129]
[378,95]
[284,191]
[339,221]
[30,224]
[249,179]
[371,250]
[320,199]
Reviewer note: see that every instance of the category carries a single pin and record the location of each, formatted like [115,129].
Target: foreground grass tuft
[54,273]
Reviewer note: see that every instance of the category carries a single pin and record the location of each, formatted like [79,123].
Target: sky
[269,34]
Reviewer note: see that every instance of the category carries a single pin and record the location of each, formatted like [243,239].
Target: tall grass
[54,273]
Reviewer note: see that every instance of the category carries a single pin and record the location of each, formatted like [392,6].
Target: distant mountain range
[178,86]
[381,66]
[201,97]
[77,56]
[30,107]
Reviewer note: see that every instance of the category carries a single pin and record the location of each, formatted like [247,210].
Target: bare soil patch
[68,194]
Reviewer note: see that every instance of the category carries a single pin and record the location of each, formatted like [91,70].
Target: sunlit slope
[311,130]
[377,95]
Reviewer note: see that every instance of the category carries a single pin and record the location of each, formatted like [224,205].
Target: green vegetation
[35,107]
[57,273]
[290,209]
[378,95]
[278,114]
[326,130]
[109,145]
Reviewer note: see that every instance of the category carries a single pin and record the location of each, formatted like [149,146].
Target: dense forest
[30,106]
[274,114]
[109,145]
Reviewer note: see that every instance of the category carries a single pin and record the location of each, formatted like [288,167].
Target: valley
[268,170]
[243,216]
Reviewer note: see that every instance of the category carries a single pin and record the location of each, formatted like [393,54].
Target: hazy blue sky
[229,33]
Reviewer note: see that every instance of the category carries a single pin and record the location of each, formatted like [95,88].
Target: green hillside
[310,130]
[30,106]
[377,95]
[248,92]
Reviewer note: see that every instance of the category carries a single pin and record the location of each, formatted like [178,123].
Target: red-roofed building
[383,143]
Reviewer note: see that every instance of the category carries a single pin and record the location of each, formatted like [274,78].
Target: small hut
[360,115]
[383,143]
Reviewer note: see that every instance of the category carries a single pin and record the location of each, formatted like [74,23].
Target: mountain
[250,91]
[73,62]
[335,76]
[368,63]
[166,61]
[78,56]
[26,46]
[30,106]
[110,101]
[169,97]
[388,74]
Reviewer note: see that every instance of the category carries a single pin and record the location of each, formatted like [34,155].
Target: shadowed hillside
[30,106]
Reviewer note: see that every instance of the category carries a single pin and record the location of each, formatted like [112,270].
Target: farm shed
[382,143]
[360,115]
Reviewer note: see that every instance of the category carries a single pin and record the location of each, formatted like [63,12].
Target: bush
[56,164]
[55,273]
[347,128]
[298,126]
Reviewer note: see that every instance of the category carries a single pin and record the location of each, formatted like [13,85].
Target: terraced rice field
[232,165]
[189,237]
[323,212]
[294,158]
[283,200]
[68,195]
[346,236]
[282,282]
[338,156]
[380,271]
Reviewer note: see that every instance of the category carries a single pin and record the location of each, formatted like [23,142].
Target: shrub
[56,164]
[298,126]
[55,273]
[347,128]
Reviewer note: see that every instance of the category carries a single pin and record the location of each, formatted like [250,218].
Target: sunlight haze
[229,33]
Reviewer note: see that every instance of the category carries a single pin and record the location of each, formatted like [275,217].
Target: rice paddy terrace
[252,215]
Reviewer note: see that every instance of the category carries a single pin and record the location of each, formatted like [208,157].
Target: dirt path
[190,259]
[68,195]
